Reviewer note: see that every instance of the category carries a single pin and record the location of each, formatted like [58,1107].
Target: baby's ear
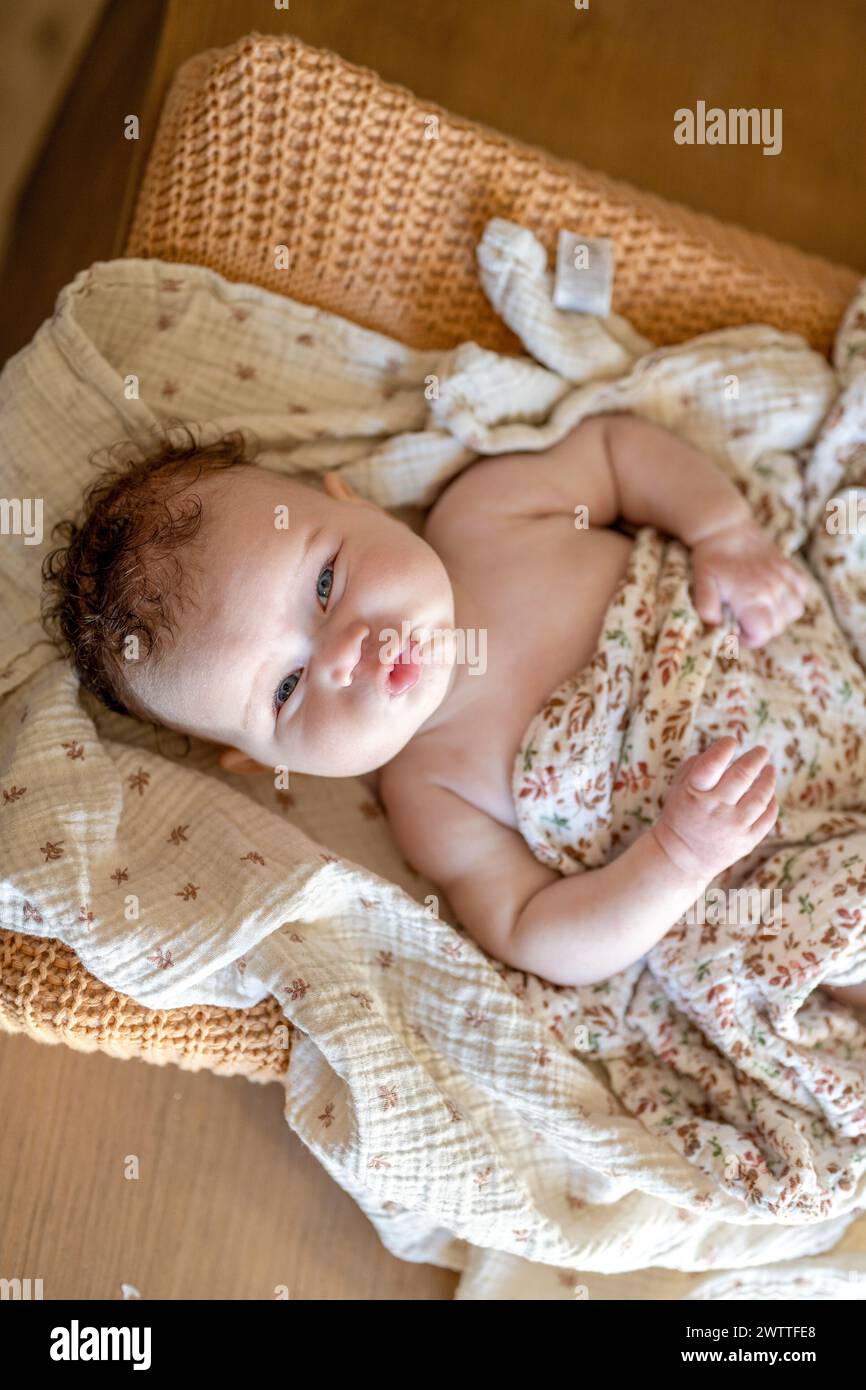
[233,760]
[338,488]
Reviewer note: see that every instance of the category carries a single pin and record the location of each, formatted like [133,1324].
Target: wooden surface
[41,44]
[600,86]
[229,1203]
[70,210]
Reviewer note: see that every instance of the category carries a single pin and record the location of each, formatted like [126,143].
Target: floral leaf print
[377,1161]
[120,876]
[138,781]
[453,1112]
[475,1018]
[12,794]
[385,959]
[297,989]
[482,1178]
[593,793]
[161,959]
[178,835]
[252,857]
[73,749]
[582,711]
[541,785]
[327,1115]
[818,681]
[528,754]
[388,1096]
[31,913]
[676,724]
[636,779]
[52,850]
[86,917]
[363,999]
[188,892]
[551,711]
[737,716]
[670,649]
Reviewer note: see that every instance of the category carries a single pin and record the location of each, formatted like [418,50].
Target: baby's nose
[351,647]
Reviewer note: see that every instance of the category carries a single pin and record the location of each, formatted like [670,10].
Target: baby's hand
[740,565]
[712,817]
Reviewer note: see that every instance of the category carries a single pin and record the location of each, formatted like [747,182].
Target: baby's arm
[661,480]
[619,465]
[585,927]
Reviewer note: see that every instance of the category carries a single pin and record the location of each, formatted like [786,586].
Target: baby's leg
[854,995]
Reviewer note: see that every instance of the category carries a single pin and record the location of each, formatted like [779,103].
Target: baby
[316,632]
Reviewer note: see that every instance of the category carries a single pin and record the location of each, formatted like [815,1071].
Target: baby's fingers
[759,621]
[709,765]
[708,600]
[753,803]
[765,821]
[740,776]
[795,594]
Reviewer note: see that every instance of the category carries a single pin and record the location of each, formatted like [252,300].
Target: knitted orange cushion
[380,200]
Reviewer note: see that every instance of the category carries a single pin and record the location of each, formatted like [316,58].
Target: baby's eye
[288,683]
[285,688]
[329,569]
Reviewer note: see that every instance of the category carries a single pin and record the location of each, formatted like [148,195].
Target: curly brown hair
[119,574]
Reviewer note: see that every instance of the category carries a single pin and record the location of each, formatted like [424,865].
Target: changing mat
[467,1127]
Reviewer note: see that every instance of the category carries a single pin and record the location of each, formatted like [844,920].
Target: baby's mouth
[406,670]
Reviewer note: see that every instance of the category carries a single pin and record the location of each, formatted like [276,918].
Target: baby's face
[284,649]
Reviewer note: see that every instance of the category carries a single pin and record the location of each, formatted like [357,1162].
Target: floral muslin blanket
[718,1038]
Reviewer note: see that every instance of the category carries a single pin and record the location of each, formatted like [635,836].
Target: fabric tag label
[584,274]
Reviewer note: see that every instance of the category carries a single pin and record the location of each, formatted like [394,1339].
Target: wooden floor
[228,1203]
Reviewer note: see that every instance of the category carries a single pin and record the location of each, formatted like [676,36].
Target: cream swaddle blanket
[464,1123]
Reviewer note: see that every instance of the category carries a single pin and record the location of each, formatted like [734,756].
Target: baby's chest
[538,592]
